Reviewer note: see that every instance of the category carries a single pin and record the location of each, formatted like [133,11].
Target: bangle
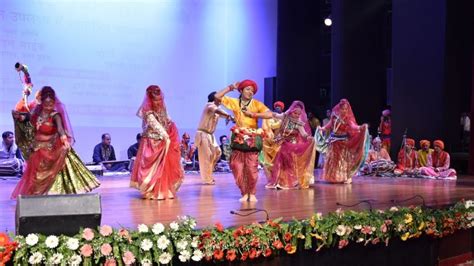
[254,115]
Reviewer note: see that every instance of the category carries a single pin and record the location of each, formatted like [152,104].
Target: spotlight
[328,21]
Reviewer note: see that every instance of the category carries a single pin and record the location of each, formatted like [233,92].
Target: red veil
[344,158]
[59,107]
[147,105]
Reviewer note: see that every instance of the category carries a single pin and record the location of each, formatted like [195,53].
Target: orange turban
[410,142]
[279,104]
[246,83]
[424,143]
[439,143]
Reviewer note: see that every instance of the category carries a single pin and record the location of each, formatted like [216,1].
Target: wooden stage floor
[122,206]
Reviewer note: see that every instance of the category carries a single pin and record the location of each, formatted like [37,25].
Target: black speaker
[57,214]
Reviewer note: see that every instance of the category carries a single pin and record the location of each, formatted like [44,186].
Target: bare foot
[170,195]
[252,198]
[160,197]
[348,181]
[244,198]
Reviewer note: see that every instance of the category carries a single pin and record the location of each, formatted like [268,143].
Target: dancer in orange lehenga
[157,172]
[346,144]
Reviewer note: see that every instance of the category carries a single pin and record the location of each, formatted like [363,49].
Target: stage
[122,206]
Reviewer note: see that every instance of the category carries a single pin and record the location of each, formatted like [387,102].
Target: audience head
[186,138]
[8,138]
[106,139]
[223,139]
[139,137]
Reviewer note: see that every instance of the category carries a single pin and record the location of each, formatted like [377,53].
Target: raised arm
[226,90]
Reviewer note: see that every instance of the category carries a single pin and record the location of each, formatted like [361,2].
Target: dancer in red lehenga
[53,167]
[346,144]
[157,172]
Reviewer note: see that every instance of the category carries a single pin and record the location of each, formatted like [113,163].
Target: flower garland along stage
[159,244]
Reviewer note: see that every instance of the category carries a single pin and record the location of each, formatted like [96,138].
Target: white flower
[158,228]
[146,244]
[360,240]
[192,223]
[142,228]
[35,258]
[195,242]
[51,241]
[146,262]
[184,256]
[373,229]
[165,258]
[31,239]
[348,230]
[181,244]
[197,255]
[75,259]
[72,243]
[174,226]
[341,230]
[357,227]
[469,203]
[394,209]
[470,216]
[56,258]
[163,242]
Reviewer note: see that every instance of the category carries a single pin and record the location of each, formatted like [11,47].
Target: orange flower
[230,256]
[290,249]
[287,237]
[277,244]
[253,254]
[218,254]
[268,252]
[4,239]
[219,227]
[244,256]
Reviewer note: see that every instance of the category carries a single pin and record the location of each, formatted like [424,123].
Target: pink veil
[46,92]
[303,117]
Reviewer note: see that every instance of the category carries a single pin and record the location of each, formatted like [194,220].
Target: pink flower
[366,230]
[106,249]
[86,250]
[88,234]
[343,243]
[375,241]
[106,230]
[388,222]
[128,258]
[110,262]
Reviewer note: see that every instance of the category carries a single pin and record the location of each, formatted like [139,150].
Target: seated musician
[104,153]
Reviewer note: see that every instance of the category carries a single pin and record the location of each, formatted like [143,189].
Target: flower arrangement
[247,139]
[6,248]
[160,244]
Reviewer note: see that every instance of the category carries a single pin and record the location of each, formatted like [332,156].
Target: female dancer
[53,167]
[157,172]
